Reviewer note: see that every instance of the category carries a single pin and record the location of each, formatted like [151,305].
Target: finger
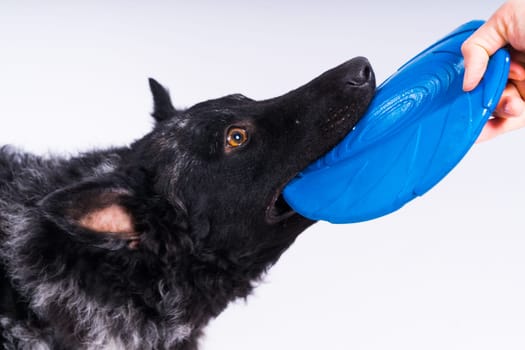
[490,130]
[516,71]
[517,65]
[517,56]
[477,49]
[476,60]
[520,88]
[498,126]
[511,103]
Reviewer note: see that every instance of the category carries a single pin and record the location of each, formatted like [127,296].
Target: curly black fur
[195,222]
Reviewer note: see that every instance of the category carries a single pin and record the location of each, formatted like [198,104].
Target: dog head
[222,162]
[203,188]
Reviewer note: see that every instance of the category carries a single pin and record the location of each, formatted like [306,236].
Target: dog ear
[95,212]
[162,107]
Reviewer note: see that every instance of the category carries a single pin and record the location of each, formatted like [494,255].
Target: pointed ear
[94,212]
[162,107]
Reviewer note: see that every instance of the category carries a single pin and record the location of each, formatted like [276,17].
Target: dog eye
[236,137]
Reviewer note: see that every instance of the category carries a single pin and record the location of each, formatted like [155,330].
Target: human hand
[509,114]
[505,27]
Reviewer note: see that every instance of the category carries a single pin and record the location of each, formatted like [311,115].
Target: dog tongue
[418,127]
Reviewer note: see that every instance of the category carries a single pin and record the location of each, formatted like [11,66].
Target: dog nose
[359,72]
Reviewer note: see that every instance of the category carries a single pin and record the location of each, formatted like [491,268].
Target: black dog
[139,247]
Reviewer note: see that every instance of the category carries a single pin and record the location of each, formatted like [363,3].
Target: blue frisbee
[418,127]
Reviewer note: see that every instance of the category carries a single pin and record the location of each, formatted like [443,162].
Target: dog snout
[359,72]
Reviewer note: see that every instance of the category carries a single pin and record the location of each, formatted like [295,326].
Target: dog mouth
[278,210]
[335,128]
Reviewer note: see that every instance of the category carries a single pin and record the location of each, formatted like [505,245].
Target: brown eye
[236,137]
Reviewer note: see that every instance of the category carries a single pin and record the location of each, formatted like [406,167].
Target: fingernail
[468,84]
[507,108]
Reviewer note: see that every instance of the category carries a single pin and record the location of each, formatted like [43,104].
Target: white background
[445,272]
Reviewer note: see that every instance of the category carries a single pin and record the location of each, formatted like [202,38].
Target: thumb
[477,49]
